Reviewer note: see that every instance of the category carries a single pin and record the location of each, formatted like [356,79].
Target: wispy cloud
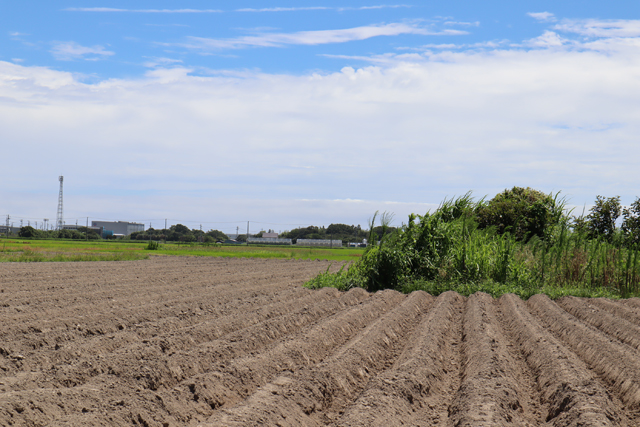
[67,51]
[463,24]
[161,62]
[543,16]
[246,9]
[110,9]
[339,9]
[600,28]
[283,9]
[17,34]
[312,37]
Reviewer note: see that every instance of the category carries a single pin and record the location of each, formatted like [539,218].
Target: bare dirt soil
[175,341]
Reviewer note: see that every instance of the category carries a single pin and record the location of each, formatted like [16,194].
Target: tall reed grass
[445,250]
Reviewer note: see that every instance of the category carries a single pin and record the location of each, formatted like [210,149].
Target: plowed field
[228,342]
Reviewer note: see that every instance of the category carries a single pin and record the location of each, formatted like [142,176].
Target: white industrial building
[119,228]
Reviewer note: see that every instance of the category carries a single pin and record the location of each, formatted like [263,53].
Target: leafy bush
[27,231]
[448,249]
[601,221]
[152,245]
[631,225]
[523,212]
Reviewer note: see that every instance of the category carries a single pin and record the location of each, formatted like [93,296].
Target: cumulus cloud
[543,16]
[311,37]
[325,147]
[67,51]
[548,39]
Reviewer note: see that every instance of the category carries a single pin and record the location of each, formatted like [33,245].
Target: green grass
[441,251]
[27,250]
[241,251]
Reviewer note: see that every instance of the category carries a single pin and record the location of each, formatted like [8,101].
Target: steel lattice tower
[60,216]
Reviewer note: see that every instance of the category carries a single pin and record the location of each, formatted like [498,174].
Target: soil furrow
[608,323]
[571,394]
[174,341]
[617,364]
[420,380]
[200,395]
[490,392]
[316,396]
[618,309]
[170,365]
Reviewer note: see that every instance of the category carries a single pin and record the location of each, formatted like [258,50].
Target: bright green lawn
[26,250]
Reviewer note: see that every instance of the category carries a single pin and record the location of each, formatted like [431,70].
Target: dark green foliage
[180,229]
[179,233]
[523,212]
[601,221]
[631,225]
[448,250]
[346,233]
[28,232]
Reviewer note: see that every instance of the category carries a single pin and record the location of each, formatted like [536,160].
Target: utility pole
[87,230]
[60,216]
[247,233]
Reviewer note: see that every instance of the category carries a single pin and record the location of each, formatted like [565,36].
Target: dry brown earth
[238,342]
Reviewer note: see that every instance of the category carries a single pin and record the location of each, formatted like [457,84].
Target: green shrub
[449,250]
[152,245]
[524,212]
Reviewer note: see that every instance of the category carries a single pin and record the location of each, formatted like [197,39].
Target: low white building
[119,228]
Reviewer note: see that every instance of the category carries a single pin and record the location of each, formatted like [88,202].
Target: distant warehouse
[119,228]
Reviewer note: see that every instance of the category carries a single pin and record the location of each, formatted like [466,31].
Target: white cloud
[159,62]
[548,39]
[312,37]
[543,16]
[67,51]
[463,24]
[110,9]
[339,9]
[600,28]
[324,148]
[283,9]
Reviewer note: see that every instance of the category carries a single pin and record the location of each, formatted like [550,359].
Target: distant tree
[27,231]
[339,229]
[378,230]
[241,238]
[311,232]
[631,224]
[601,221]
[217,235]
[180,229]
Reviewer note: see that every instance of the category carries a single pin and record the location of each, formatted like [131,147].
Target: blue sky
[301,113]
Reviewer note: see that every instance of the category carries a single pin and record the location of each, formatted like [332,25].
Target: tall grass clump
[455,248]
